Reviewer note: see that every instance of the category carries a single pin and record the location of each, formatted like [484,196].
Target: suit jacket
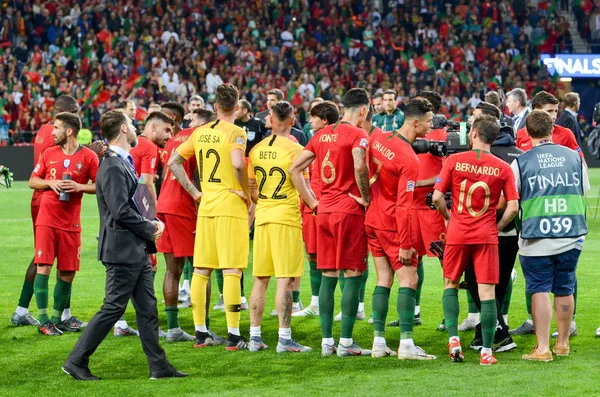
[125,236]
[522,121]
[567,120]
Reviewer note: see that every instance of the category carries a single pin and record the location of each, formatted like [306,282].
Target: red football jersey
[314,177]
[43,141]
[145,156]
[83,165]
[560,135]
[393,170]
[173,198]
[477,180]
[430,167]
[334,164]
[162,156]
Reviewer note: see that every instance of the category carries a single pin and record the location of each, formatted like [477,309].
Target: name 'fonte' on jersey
[328,138]
[477,169]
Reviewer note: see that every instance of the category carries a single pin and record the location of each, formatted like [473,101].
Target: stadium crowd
[156,51]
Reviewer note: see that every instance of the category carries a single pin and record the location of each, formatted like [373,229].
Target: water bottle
[64,196]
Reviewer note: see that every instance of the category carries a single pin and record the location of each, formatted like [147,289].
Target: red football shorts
[384,243]
[65,247]
[178,237]
[309,232]
[484,258]
[341,242]
[153,259]
[427,226]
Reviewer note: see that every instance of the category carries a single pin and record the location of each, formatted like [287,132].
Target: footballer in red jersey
[178,211]
[477,180]
[548,103]
[339,152]
[43,140]
[322,114]
[394,168]
[157,131]
[63,172]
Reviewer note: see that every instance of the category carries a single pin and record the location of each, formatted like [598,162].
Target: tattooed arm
[361,174]
[175,164]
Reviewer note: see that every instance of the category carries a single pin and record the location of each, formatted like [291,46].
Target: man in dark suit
[516,102]
[568,118]
[125,240]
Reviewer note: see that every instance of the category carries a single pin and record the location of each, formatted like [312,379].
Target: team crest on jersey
[40,252]
[79,166]
[240,141]
[67,163]
[364,143]
[410,186]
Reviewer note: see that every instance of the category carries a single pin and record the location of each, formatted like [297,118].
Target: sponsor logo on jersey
[364,142]
[438,180]
[67,163]
[240,141]
[153,163]
[37,167]
[410,186]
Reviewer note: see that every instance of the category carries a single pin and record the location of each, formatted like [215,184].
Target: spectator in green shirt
[391,118]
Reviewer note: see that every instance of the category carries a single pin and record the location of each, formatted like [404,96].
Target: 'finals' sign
[573,65]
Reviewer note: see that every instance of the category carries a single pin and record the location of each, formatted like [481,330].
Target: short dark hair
[176,108]
[543,98]
[244,104]
[111,122]
[277,92]
[571,98]
[433,97]
[66,103]
[377,95]
[227,97]
[370,113]
[493,97]
[355,98]
[417,108]
[389,92]
[282,110]
[70,120]
[326,110]
[159,116]
[539,124]
[123,104]
[489,109]
[520,95]
[487,127]
[206,115]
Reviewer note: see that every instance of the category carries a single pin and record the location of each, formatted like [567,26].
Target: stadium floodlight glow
[573,65]
[566,79]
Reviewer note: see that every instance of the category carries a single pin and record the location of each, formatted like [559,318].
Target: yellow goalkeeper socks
[198,298]
[232,299]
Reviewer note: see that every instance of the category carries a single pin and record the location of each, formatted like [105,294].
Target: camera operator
[503,147]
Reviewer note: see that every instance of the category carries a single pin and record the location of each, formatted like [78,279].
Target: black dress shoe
[169,372]
[78,373]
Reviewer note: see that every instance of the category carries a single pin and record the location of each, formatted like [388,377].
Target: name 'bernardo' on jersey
[381,148]
[477,169]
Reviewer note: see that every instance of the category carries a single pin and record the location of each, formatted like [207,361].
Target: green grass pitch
[30,363]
